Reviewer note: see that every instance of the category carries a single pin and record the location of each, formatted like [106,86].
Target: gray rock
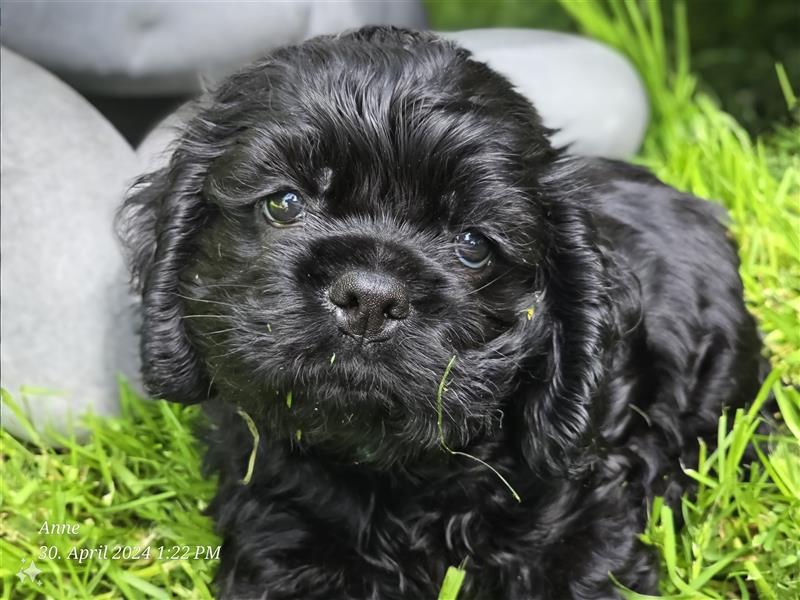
[153,151]
[586,90]
[159,48]
[66,322]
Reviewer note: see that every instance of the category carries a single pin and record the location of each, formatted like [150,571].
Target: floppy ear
[157,223]
[581,303]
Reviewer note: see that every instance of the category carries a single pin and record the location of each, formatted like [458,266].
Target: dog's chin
[375,404]
[371,426]
[370,429]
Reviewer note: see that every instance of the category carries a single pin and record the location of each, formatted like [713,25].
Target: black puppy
[348,217]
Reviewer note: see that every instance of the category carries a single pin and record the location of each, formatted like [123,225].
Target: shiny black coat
[602,339]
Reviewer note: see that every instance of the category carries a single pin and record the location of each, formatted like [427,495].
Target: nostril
[397,306]
[344,294]
[350,302]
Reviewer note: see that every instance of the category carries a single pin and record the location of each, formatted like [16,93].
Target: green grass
[741,534]
[734,43]
[137,481]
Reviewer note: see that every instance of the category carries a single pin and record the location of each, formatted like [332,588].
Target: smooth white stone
[66,323]
[586,90]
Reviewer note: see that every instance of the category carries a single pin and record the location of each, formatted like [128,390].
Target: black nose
[369,305]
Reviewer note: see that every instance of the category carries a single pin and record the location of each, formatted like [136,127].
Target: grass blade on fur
[251,462]
[439,419]
[451,586]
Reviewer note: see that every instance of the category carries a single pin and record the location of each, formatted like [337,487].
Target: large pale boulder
[134,47]
[65,319]
[586,90]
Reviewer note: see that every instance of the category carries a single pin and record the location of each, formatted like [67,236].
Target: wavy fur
[399,141]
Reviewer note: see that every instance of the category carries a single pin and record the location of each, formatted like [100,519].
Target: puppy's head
[341,220]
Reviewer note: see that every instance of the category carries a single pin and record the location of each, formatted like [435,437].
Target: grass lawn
[137,483]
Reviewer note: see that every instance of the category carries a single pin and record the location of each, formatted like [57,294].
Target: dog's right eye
[283,208]
[472,249]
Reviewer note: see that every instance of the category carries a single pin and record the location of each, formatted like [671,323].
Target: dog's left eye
[472,249]
[283,208]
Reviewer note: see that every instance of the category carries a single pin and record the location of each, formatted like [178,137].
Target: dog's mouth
[357,342]
[351,412]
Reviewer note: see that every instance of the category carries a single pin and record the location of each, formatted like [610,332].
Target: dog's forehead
[394,132]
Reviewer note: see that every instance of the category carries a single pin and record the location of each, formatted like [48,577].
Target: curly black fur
[400,141]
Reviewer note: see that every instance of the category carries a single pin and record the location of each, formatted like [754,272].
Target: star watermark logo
[31,572]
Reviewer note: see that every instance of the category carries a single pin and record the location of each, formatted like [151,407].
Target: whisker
[234,351]
[487,284]
[513,361]
[220,331]
[224,285]
[206,301]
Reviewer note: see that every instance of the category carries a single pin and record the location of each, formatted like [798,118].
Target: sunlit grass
[136,483]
